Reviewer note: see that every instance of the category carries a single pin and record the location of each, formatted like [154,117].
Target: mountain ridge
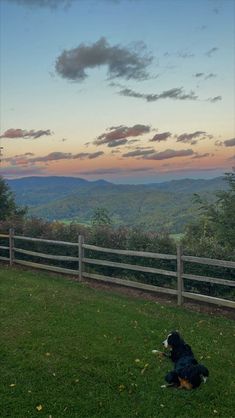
[151,206]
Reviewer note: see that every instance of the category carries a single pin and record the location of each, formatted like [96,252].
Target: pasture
[68,350]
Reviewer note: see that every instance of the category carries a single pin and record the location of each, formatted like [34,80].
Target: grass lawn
[71,351]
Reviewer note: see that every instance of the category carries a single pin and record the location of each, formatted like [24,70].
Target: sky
[130,91]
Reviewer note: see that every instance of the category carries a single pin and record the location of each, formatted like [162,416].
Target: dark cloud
[24,160]
[205,76]
[197,156]
[17,160]
[88,155]
[117,143]
[117,133]
[56,156]
[229,142]
[139,152]
[211,51]
[170,153]
[161,137]
[210,75]
[193,138]
[174,93]
[22,133]
[121,62]
[214,99]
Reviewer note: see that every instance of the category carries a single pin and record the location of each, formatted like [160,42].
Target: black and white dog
[187,373]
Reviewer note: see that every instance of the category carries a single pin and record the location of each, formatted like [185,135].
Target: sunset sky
[131,91]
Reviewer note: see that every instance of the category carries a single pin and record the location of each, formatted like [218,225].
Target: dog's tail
[203,371]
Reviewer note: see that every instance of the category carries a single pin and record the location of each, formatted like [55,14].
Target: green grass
[80,352]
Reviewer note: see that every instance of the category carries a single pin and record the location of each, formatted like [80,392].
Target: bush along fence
[174,283]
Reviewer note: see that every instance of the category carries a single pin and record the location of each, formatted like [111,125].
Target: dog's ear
[174,339]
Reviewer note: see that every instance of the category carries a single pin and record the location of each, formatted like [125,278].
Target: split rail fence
[82,261]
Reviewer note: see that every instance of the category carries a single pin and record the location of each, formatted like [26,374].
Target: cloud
[139,152]
[56,156]
[211,51]
[174,93]
[193,138]
[229,142]
[17,160]
[205,76]
[88,155]
[198,74]
[117,142]
[24,160]
[117,133]
[121,62]
[170,153]
[197,156]
[161,137]
[21,133]
[210,75]
[214,99]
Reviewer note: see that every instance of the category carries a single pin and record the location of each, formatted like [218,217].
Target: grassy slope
[73,350]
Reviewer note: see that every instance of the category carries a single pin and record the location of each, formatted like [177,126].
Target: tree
[8,207]
[216,223]
[101,217]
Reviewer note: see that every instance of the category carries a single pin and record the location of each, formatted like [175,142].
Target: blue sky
[126,90]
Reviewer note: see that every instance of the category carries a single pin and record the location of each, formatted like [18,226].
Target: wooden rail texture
[82,261]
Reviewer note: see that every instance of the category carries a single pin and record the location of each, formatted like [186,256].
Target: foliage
[101,217]
[214,231]
[71,351]
[8,207]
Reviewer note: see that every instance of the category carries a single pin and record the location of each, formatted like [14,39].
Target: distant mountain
[151,206]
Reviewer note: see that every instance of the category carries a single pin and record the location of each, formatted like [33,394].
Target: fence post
[11,246]
[179,275]
[80,254]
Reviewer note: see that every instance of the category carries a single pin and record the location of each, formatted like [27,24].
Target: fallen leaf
[144,369]
[39,407]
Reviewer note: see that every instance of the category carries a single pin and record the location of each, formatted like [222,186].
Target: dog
[187,373]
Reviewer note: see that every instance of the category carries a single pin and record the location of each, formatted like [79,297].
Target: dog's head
[191,377]
[172,340]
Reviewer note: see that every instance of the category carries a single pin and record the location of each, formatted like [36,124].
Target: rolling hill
[151,206]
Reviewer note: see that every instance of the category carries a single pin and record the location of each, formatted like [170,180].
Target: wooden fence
[81,261]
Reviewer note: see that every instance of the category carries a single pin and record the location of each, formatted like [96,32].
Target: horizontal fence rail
[80,260]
